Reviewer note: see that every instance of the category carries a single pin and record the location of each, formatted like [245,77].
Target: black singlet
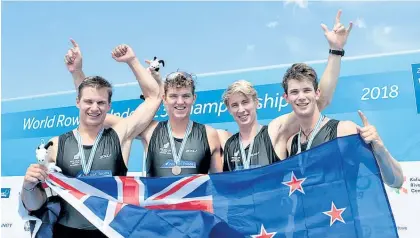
[262,153]
[326,133]
[108,161]
[195,159]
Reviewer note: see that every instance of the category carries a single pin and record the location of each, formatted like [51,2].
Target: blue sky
[199,37]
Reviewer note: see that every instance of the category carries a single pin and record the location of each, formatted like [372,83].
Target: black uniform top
[262,153]
[108,161]
[195,159]
[326,133]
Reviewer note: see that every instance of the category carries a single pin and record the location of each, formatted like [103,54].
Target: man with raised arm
[178,145]
[91,149]
[302,93]
[256,145]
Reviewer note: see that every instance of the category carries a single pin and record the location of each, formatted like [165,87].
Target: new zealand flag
[333,190]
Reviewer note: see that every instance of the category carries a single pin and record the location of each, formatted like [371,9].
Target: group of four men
[102,142]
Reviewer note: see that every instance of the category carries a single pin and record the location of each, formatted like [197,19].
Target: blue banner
[366,92]
[385,94]
[416,81]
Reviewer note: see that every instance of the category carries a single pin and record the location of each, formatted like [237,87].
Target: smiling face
[179,101]
[243,109]
[179,95]
[301,89]
[94,100]
[302,96]
[93,106]
[242,102]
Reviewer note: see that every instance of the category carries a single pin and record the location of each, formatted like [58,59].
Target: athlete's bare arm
[216,164]
[337,39]
[73,60]
[390,168]
[130,127]
[223,137]
[283,127]
[32,196]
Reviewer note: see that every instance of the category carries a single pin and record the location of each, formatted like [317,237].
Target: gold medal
[176,170]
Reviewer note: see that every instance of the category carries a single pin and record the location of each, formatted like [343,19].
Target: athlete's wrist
[30,186]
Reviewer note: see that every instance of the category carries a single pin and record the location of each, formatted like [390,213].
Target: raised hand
[123,53]
[73,58]
[337,37]
[368,132]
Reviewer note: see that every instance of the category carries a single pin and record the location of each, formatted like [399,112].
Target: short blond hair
[241,86]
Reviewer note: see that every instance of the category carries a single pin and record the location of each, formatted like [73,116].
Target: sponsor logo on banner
[411,185]
[5,192]
[404,203]
[402,190]
[6,225]
[414,186]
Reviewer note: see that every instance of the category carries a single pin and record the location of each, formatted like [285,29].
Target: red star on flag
[295,184]
[264,234]
[335,214]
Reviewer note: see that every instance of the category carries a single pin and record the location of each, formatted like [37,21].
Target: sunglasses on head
[173,75]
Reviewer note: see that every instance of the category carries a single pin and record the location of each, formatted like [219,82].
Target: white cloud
[272,24]
[299,3]
[360,22]
[250,47]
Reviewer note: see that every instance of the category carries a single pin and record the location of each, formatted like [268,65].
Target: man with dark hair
[302,93]
[178,145]
[91,149]
[258,145]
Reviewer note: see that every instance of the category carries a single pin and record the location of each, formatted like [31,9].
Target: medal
[176,170]
[87,165]
[315,131]
[246,159]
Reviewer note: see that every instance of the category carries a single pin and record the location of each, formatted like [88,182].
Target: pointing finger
[73,42]
[364,118]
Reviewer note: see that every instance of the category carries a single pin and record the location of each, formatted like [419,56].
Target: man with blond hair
[256,145]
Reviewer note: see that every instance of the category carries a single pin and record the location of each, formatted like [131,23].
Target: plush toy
[41,156]
[153,68]
[154,65]
[41,153]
